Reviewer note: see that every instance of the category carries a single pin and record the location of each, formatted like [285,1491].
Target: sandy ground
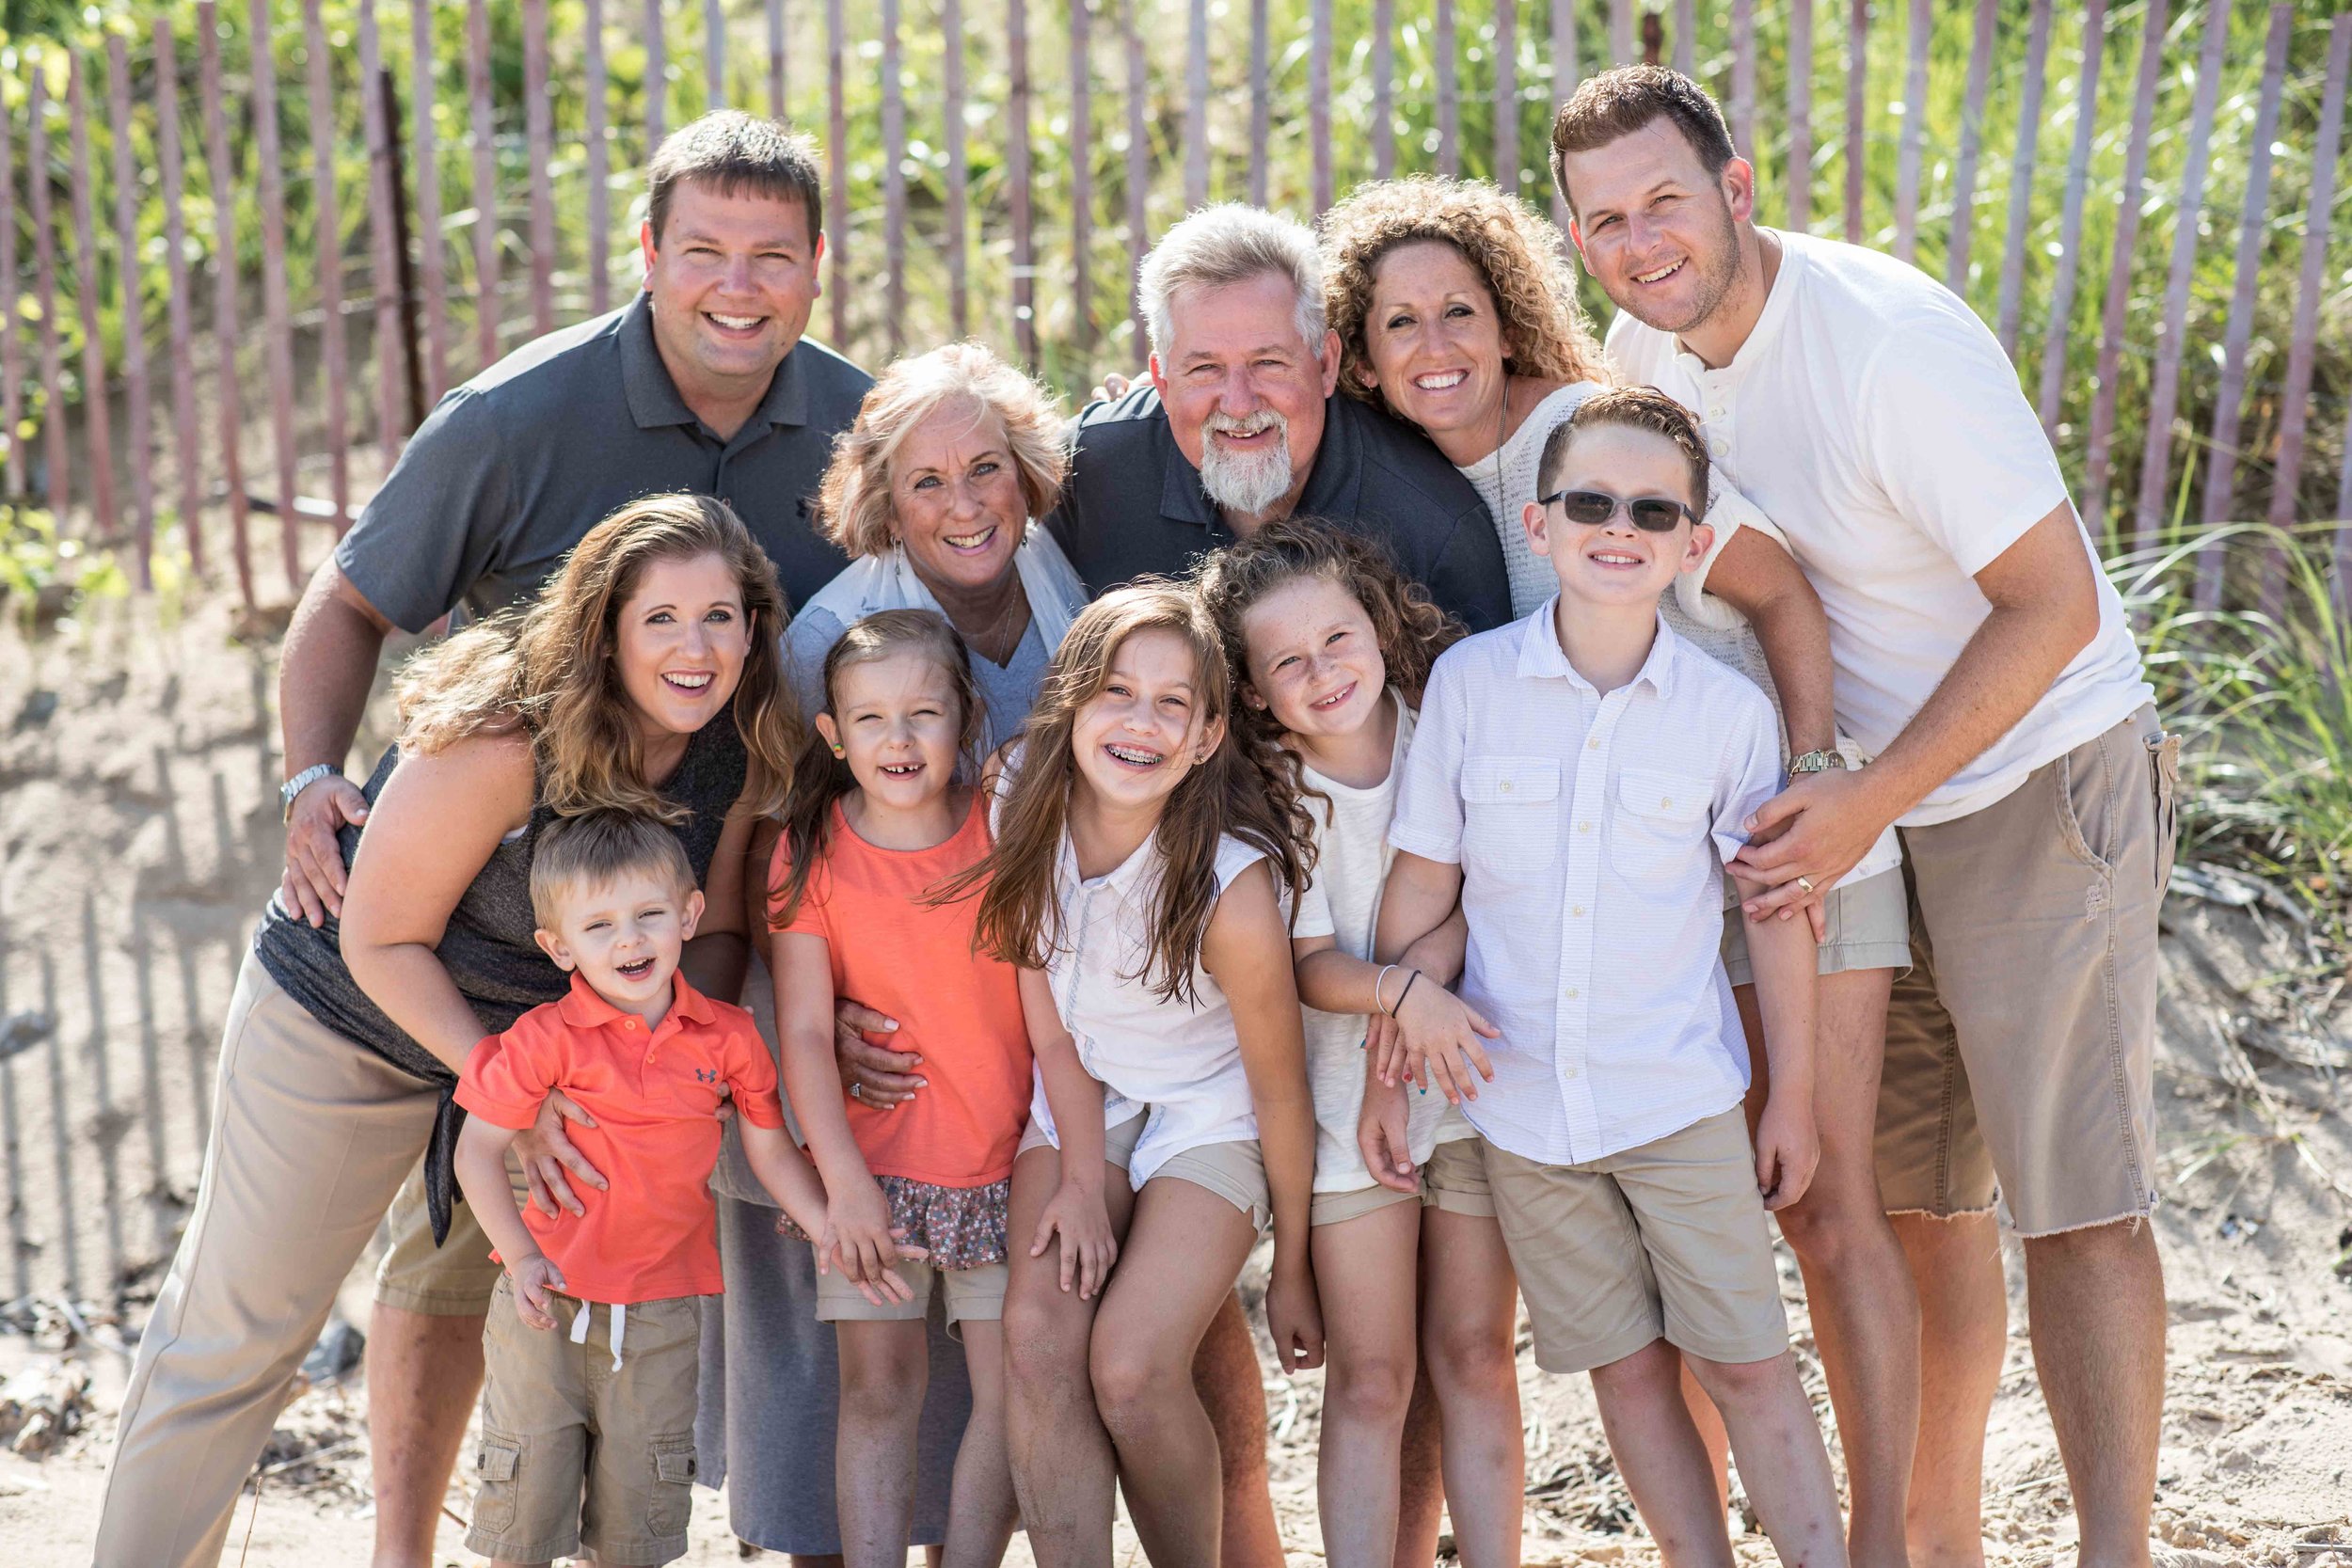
[138,820]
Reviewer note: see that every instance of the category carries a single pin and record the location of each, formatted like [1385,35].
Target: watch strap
[291,789]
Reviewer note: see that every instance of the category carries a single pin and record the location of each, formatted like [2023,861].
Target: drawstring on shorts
[580,1327]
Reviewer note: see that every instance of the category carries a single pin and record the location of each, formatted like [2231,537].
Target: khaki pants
[311,1135]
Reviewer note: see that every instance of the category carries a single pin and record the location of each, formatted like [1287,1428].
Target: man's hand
[547,1154]
[315,877]
[873,1074]
[1815,831]
[1787,1148]
[1294,1318]
[1113,387]
[536,1281]
[1380,1133]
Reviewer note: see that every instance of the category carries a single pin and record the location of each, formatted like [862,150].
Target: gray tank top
[487,947]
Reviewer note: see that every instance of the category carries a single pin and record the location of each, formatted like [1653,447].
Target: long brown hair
[819,778]
[1411,631]
[1243,789]
[549,669]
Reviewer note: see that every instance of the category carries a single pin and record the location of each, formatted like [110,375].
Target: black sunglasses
[1591,508]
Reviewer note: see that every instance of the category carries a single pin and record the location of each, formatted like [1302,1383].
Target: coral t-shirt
[957,1007]
[649,1235]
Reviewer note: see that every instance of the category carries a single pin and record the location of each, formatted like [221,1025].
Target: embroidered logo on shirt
[706,1075]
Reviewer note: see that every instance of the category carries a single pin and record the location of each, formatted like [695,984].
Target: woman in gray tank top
[647,677]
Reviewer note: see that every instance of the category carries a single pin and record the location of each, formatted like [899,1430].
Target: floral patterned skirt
[962,1228]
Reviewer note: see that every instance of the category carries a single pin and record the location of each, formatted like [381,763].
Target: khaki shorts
[1454,1179]
[1119,1143]
[556,1416]
[1664,1240]
[974,1295]
[1233,1171]
[1869,928]
[2020,1048]
[453,1280]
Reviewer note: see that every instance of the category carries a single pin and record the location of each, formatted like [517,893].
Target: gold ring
[1806,884]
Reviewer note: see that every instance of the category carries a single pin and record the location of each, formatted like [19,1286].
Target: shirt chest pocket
[1661,830]
[1511,814]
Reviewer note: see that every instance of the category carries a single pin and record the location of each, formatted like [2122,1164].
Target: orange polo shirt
[649,1235]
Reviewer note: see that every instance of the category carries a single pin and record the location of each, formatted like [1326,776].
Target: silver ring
[857,1090]
[1802,881]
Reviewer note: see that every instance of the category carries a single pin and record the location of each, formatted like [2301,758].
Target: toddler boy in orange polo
[593,1443]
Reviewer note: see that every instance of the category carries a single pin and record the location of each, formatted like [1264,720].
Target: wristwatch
[300,781]
[1817,762]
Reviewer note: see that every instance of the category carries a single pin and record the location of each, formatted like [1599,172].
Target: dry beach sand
[139,827]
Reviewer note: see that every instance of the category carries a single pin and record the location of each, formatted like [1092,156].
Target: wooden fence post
[1138,180]
[777,100]
[714,55]
[1197,100]
[278,349]
[187,460]
[2112,318]
[97,414]
[1449,93]
[2229,405]
[1319,101]
[538,140]
[1506,99]
[1082,180]
[1971,148]
[2165,385]
[222,188]
[433,282]
[1907,170]
[951,32]
[1857,149]
[486,182]
[2059,325]
[1383,133]
[11,321]
[656,86]
[327,244]
[138,440]
[2021,168]
[594,85]
[894,130]
[1797,171]
[396,359]
[2303,338]
[59,463]
[1017,168]
[837,169]
[1743,79]
[1565,76]
[1383,89]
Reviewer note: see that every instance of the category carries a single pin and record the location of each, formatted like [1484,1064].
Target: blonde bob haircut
[853,503]
[1513,249]
[551,669]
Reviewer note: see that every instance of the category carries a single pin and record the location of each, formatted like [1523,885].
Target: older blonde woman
[932,493]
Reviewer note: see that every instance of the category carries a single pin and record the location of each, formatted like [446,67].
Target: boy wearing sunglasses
[1580,782]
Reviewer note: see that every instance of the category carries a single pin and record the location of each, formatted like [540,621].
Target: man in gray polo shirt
[701,382]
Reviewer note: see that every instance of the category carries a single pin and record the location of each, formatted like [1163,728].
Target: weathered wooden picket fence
[299,326]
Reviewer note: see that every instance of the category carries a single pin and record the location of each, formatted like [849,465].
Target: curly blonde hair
[549,670]
[1514,250]
[853,501]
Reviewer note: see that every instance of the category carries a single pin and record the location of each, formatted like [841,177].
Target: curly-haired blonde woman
[932,493]
[645,676]
[1454,307]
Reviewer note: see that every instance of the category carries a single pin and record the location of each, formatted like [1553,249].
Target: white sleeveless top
[1178,1062]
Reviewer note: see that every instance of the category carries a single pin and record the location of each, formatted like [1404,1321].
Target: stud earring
[838,752]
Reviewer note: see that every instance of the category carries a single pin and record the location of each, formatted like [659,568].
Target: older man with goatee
[1239,423]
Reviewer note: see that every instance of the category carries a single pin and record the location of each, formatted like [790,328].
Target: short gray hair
[1227,243]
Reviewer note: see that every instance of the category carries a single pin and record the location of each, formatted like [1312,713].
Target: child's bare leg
[1658,1454]
[884,1367]
[1064,1469]
[1469,1309]
[1182,1256]
[1421,1487]
[1783,1464]
[1710,1422]
[982,1513]
[1364,1277]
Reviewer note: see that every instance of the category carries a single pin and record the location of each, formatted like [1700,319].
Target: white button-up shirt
[1181,1061]
[1592,830]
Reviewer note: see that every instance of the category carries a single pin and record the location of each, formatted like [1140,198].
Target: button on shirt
[1592,830]
[655,1096]
[1876,422]
[1182,1060]
[1371,474]
[512,467]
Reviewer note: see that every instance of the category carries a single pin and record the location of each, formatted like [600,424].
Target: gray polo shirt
[514,467]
